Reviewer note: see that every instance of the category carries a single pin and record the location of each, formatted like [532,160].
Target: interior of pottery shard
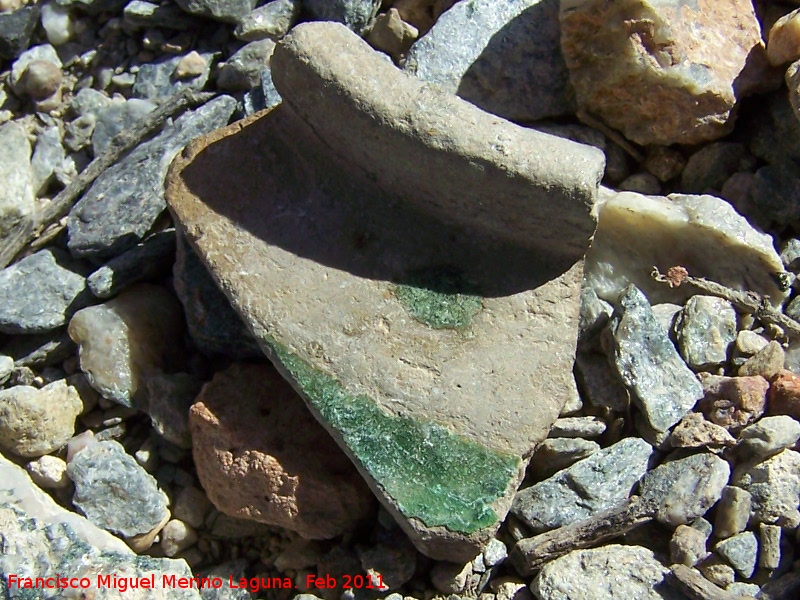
[438,357]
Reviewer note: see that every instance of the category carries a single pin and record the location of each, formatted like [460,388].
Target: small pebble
[769,436]
[749,342]
[766,362]
[176,536]
[577,427]
[741,552]
[733,512]
[190,66]
[48,472]
[783,42]
[191,506]
[41,79]
[687,546]
[769,556]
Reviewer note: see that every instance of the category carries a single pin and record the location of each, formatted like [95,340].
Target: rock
[227,11]
[16,29]
[750,342]
[709,167]
[733,402]
[555,454]
[706,329]
[128,340]
[390,34]
[591,485]
[740,551]
[263,97]
[41,539]
[577,427]
[610,572]
[190,66]
[420,323]
[494,553]
[600,383]
[391,562]
[503,57]
[450,578]
[792,79]
[635,233]
[660,383]
[771,194]
[157,82]
[687,546]
[774,131]
[150,259]
[664,162]
[34,422]
[784,394]
[114,492]
[790,254]
[594,316]
[6,368]
[170,397]
[48,472]
[40,79]
[355,14]
[115,118]
[769,555]
[783,42]
[38,54]
[264,458]
[142,15]
[774,484]
[695,432]
[422,14]
[685,488]
[176,537]
[733,512]
[17,192]
[767,362]
[642,183]
[213,324]
[57,24]
[242,71]
[122,205]
[41,292]
[272,20]
[768,436]
[641,66]
[48,157]
[717,572]
[40,350]
[191,506]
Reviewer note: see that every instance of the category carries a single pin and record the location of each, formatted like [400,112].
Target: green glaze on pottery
[431,473]
[439,297]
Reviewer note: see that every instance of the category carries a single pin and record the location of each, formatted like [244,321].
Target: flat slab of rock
[394,326]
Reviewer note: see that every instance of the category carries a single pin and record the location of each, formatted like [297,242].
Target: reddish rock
[784,394]
[260,455]
[733,402]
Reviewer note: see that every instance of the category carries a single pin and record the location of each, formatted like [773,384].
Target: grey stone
[706,329]
[114,492]
[591,485]
[504,57]
[242,71]
[89,101]
[749,342]
[610,572]
[43,52]
[733,512]
[17,191]
[227,11]
[709,167]
[355,14]
[577,427]
[41,539]
[555,454]
[790,254]
[494,553]
[171,396]
[272,20]
[740,551]
[393,558]
[685,488]
[769,436]
[742,589]
[774,484]
[767,362]
[213,324]
[40,350]
[122,204]
[48,155]
[414,330]
[661,384]
[115,118]
[139,14]
[150,259]
[687,546]
[775,131]
[16,29]
[265,96]
[41,292]
[774,194]
[599,382]
[769,551]
[94,7]
[594,316]
[34,422]
[6,367]
[156,81]
[636,233]
[237,569]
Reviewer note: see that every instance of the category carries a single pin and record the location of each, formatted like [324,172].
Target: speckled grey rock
[116,118]
[740,551]
[264,96]
[706,329]
[139,14]
[769,436]
[661,384]
[774,484]
[242,71]
[151,259]
[790,254]
[271,20]
[41,292]
[227,11]
[114,491]
[171,396]
[685,488]
[17,191]
[156,81]
[503,56]
[612,572]
[356,14]
[591,485]
[121,206]
[16,29]
[555,454]
[48,155]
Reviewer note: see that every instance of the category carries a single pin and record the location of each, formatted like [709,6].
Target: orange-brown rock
[733,402]
[784,394]
[260,455]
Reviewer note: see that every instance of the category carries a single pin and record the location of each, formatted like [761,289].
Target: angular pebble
[768,436]
[142,15]
[733,512]
[34,422]
[783,40]
[48,472]
[611,572]
[16,29]
[114,492]
[706,329]
[741,552]
[156,82]
[271,20]
[504,57]
[48,157]
[661,384]
[769,555]
[242,71]
[784,394]
[767,362]
[41,292]
[355,14]
[733,402]
[227,11]
[591,485]
[555,454]
[17,191]
[115,118]
[774,485]
[695,432]
[685,488]
[687,546]
[577,427]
